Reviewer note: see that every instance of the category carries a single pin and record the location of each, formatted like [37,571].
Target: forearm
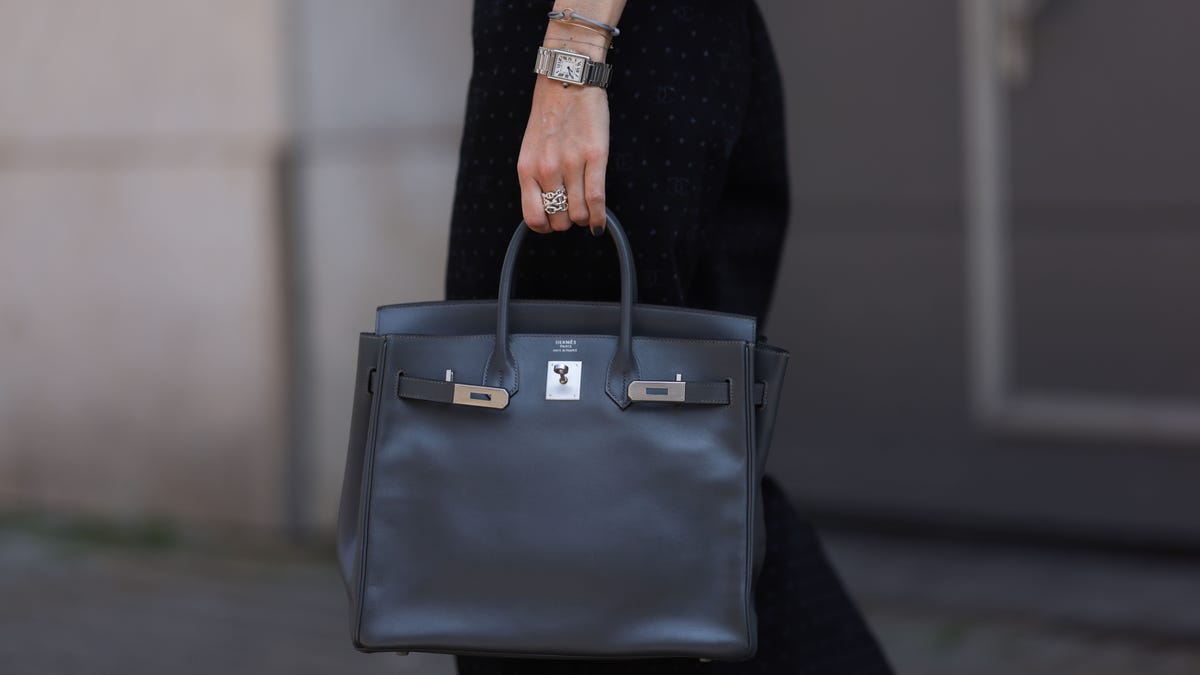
[581,39]
[566,141]
[605,11]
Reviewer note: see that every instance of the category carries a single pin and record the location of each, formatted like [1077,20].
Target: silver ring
[555,202]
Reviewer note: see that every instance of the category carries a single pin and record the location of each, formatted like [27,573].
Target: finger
[593,186]
[560,220]
[531,204]
[577,206]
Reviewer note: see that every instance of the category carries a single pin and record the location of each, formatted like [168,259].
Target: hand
[565,144]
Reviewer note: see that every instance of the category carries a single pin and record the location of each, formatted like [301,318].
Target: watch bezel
[556,54]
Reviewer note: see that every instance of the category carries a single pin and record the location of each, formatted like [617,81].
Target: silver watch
[572,67]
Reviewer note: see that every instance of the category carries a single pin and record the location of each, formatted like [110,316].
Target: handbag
[557,479]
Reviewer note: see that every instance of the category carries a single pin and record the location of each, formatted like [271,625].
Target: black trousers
[698,175]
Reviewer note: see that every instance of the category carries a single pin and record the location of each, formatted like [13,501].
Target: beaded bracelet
[569,15]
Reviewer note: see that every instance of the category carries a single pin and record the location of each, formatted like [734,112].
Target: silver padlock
[563,379]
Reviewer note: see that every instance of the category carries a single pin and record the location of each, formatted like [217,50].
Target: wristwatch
[572,68]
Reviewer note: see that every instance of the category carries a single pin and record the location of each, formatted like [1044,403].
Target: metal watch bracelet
[571,67]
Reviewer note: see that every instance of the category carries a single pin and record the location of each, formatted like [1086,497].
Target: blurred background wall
[201,203]
[990,285]
[141,273]
[379,91]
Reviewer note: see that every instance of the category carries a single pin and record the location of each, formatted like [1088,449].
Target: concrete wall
[214,196]
[380,88]
[140,268]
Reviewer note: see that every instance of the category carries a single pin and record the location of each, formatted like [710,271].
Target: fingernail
[596,231]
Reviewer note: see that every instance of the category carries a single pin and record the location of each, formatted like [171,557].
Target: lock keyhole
[561,369]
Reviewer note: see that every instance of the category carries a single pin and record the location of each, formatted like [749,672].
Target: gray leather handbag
[557,479]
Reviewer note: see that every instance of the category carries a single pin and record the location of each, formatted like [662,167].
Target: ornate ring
[555,202]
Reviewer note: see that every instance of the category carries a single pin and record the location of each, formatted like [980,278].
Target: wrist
[570,67]
[560,36]
[606,10]
[553,90]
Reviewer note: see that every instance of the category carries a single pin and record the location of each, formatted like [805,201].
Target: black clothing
[697,173]
[697,167]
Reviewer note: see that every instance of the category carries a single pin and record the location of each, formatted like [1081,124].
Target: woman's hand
[566,144]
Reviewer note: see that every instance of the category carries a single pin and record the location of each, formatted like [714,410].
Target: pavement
[939,607]
[957,608]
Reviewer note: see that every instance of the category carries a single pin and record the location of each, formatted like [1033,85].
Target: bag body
[557,479]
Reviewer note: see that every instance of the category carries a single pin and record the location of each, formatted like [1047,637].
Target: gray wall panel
[872,298]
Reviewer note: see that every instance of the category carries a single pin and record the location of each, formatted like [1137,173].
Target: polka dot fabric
[697,170]
[698,175]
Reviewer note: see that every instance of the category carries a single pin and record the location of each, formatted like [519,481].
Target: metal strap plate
[483,397]
[653,390]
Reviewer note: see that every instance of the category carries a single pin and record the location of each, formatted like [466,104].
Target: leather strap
[706,392]
[424,389]
[443,391]
[712,393]
[501,370]
[695,393]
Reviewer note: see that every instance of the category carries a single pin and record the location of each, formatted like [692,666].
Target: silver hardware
[555,202]
[483,397]
[679,377]
[653,390]
[569,15]
[449,375]
[563,379]
[571,67]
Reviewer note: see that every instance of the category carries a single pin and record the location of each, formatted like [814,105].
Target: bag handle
[501,370]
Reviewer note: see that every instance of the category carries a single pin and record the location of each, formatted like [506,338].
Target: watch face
[568,67]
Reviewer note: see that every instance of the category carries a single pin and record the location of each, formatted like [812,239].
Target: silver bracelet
[569,14]
[582,42]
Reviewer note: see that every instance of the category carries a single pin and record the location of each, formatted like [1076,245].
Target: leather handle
[501,370]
